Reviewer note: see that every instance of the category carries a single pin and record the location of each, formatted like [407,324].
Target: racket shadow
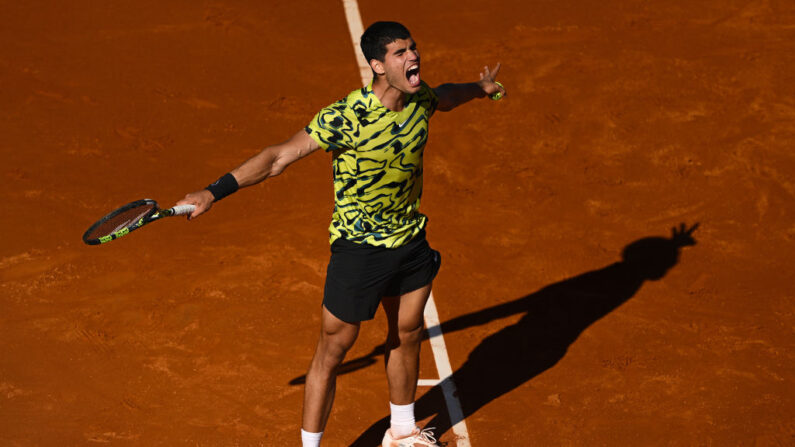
[554,317]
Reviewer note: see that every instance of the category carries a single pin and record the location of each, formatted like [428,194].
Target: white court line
[445,373]
[354,20]
[438,346]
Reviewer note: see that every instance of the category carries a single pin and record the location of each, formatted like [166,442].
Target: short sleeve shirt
[377,165]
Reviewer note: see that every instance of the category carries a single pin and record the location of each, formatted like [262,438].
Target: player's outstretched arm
[453,95]
[270,162]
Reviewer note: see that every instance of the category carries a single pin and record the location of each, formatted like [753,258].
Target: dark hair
[378,35]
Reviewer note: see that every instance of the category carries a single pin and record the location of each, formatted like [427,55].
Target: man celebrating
[379,253]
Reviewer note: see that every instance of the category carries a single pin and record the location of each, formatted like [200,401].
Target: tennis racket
[130,217]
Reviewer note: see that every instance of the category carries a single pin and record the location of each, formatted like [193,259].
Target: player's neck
[390,97]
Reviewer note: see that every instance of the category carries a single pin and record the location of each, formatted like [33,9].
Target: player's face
[402,65]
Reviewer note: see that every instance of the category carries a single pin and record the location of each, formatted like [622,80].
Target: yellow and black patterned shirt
[377,165]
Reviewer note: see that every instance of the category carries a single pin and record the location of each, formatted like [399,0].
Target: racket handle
[181,210]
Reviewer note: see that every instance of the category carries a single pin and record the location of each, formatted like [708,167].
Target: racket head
[121,221]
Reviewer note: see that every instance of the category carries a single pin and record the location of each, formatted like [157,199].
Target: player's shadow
[553,319]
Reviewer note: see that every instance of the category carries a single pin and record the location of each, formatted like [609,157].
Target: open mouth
[413,75]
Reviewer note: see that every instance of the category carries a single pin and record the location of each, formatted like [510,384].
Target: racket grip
[181,210]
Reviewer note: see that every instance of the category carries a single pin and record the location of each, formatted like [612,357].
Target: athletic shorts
[359,275]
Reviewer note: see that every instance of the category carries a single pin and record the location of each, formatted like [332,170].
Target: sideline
[445,373]
[432,323]
[354,19]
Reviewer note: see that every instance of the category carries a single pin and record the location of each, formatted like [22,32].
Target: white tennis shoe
[421,438]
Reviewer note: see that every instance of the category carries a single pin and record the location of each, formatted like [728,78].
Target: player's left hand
[487,81]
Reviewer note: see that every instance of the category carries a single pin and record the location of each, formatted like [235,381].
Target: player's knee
[410,334]
[333,347]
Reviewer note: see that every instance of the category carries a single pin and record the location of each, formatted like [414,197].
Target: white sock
[402,419]
[310,439]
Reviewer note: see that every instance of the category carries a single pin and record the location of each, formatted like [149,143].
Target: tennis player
[379,253]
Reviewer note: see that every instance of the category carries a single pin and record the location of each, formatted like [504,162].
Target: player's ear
[377,66]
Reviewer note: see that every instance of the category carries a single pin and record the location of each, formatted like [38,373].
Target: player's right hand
[202,200]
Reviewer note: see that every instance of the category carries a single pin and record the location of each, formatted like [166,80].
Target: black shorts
[359,275]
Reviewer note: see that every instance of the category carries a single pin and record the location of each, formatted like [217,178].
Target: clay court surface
[621,122]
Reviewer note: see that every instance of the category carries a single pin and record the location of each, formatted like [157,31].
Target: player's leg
[336,338]
[402,356]
[405,317]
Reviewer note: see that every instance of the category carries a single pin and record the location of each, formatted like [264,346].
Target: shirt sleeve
[334,127]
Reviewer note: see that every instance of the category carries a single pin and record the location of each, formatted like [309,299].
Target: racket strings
[120,221]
